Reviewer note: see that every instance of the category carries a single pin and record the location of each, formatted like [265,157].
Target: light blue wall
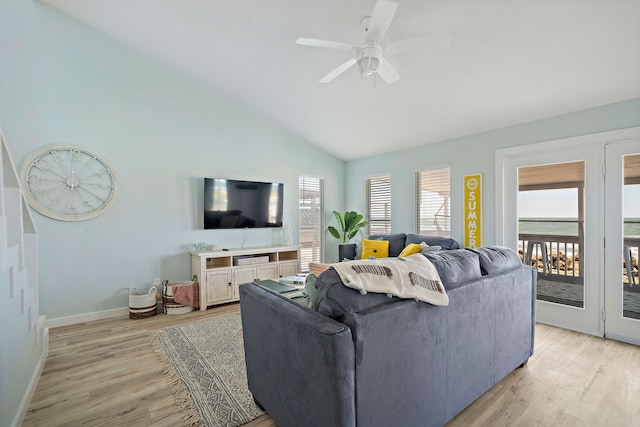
[62,82]
[470,155]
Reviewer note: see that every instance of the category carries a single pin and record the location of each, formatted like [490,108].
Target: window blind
[432,202]
[378,200]
[311,219]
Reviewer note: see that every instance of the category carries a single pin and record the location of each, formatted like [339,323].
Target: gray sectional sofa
[371,360]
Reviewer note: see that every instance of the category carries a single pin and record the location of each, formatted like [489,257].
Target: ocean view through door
[551,229]
[622,231]
[553,216]
[557,213]
[572,209]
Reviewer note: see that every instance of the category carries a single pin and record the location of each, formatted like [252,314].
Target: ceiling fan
[368,55]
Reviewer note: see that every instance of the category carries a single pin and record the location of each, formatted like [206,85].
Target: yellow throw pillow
[375,248]
[410,249]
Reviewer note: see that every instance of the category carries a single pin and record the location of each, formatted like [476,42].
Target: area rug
[205,367]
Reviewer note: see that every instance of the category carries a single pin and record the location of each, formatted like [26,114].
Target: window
[433,209]
[378,199]
[311,218]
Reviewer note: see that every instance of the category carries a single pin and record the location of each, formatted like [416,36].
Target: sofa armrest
[300,363]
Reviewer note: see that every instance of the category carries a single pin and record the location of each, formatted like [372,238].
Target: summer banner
[473,210]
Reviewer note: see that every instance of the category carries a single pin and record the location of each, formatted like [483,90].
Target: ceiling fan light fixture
[369,59]
[368,65]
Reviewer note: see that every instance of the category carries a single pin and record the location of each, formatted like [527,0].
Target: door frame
[617,326]
[590,319]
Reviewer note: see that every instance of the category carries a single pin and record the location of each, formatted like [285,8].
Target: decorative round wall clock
[68,182]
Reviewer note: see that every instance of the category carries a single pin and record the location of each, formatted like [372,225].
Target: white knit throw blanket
[411,277]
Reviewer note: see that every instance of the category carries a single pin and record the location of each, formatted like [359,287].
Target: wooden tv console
[221,272]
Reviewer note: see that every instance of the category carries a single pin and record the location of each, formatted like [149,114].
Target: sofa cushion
[455,266]
[375,248]
[496,259]
[336,299]
[396,242]
[445,242]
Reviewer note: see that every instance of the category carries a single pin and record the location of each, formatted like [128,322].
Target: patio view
[551,232]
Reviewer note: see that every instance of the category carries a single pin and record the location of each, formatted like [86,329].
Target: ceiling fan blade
[387,72]
[323,43]
[338,70]
[381,18]
[418,44]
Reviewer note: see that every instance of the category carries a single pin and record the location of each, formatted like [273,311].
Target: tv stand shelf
[221,272]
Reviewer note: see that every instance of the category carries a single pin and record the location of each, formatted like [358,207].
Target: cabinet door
[240,276]
[289,268]
[244,275]
[267,271]
[219,286]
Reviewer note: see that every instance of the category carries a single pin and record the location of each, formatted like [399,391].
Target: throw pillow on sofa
[446,243]
[375,248]
[426,248]
[310,295]
[317,268]
[359,247]
[414,248]
[396,242]
[411,248]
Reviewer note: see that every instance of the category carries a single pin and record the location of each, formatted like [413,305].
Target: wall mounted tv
[231,203]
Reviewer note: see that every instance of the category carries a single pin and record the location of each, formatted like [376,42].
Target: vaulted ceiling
[509,62]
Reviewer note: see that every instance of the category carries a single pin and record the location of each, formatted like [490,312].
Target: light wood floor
[104,373]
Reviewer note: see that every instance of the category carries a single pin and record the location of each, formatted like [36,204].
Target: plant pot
[346,251]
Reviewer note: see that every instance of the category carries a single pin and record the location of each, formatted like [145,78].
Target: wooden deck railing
[630,255]
[558,257]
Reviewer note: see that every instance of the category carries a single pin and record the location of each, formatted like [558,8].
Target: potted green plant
[349,225]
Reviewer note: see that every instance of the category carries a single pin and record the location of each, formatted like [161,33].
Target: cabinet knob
[229,284]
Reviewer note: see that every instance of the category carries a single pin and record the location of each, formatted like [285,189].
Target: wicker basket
[142,304]
[169,305]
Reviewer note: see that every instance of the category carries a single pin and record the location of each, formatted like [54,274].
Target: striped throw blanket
[410,277]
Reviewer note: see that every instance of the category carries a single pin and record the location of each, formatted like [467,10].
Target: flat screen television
[231,203]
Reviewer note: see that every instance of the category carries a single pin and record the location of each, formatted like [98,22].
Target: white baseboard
[33,382]
[87,317]
[622,338]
